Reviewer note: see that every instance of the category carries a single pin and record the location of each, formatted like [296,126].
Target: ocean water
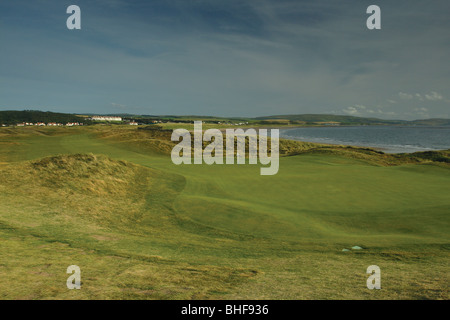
[389,139]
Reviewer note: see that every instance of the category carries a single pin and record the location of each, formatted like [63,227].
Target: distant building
[106,118]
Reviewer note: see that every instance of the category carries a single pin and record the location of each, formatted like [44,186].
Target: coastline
[414,143]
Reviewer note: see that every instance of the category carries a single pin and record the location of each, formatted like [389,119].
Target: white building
[106,118]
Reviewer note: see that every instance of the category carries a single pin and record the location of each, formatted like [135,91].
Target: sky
[242,58]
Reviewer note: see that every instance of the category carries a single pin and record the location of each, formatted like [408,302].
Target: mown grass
[108,200]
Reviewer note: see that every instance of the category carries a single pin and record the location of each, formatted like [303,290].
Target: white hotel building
[106,118]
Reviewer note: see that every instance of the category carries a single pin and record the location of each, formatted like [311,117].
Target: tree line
[15,117]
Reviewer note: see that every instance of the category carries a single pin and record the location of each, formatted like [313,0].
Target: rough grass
[93,208]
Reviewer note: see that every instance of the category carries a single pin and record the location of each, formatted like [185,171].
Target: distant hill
[317,118]
[14,117]
[350,120]
[432,122]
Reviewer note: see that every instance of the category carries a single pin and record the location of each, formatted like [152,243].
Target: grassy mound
[84,173]
[94,187]
[435,156]
[86,185]
[113,218]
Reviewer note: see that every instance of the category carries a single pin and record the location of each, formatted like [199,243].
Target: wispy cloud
[364,111]
[434,96]
[405,96]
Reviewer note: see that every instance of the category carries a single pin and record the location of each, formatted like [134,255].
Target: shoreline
[385,149]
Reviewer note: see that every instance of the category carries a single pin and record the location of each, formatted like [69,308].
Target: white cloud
[357,110]
[405,96]
[434,96]
[364,111]
[422,112]
[351,111]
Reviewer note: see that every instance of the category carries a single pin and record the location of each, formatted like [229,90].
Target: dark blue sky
[227,58]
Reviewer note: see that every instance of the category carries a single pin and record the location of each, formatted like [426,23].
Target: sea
[389,139]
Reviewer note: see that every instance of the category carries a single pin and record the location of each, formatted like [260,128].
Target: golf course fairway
[140,227]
